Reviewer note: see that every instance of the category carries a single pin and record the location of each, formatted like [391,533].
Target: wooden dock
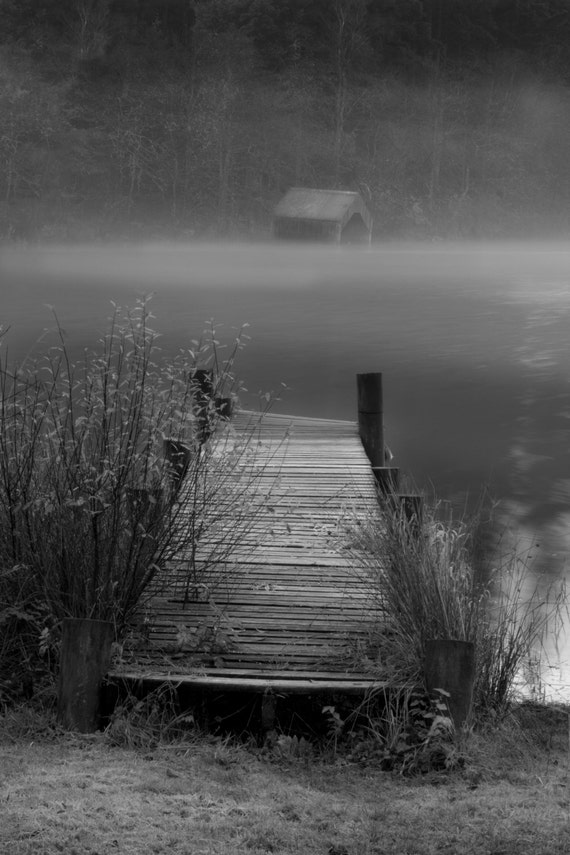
[292,609]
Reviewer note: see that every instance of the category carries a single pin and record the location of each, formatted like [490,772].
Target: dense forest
[182,118]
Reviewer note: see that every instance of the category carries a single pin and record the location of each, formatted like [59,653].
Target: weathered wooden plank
[259,684]
[287,595]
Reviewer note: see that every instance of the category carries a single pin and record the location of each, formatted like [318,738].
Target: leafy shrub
[92,509]
[404,730]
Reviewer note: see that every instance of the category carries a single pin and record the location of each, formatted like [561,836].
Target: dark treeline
[171,117]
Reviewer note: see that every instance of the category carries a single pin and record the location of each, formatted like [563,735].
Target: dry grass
[72,794]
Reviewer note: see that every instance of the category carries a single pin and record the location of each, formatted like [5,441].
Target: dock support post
[85,658]
[178,458]
[371,416]
[203,388]
[450,665]
[387,479]
[224,407]
[412,508]
[268,711]
[206,405]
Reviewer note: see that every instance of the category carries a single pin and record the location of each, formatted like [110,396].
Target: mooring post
[224,407]
[178,458]
[412,508]
[387,479]
[371,416]
[203,389]
[84,659]
[268,711]
[450,665]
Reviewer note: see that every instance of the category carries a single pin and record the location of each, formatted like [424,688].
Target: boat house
[331,216]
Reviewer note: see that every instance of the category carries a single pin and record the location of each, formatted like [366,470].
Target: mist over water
[472,340]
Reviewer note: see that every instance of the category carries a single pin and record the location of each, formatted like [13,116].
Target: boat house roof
[344,210]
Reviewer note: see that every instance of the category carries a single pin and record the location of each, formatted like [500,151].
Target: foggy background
[191,118]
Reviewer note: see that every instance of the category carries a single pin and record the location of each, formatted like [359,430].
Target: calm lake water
[473,342]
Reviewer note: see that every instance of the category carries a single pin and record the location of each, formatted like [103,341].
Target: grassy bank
[77,794]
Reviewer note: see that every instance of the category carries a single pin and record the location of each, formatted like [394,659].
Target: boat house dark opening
[331,216]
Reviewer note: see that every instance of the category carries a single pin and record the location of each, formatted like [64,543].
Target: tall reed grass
[434,578]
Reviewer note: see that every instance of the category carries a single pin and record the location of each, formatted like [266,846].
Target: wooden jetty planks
[289,601]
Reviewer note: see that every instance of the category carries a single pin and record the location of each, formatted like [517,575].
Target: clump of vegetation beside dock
[107,474]
[434,578]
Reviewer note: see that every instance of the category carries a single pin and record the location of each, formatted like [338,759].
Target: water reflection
[472,340]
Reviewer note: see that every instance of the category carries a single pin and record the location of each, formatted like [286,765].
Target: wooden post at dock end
[224,407]
[268,711]
[450,665]
[206,405]
[178,458]
[203,389]
[84,659]
[412,511]
[387,479]
[371,416]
